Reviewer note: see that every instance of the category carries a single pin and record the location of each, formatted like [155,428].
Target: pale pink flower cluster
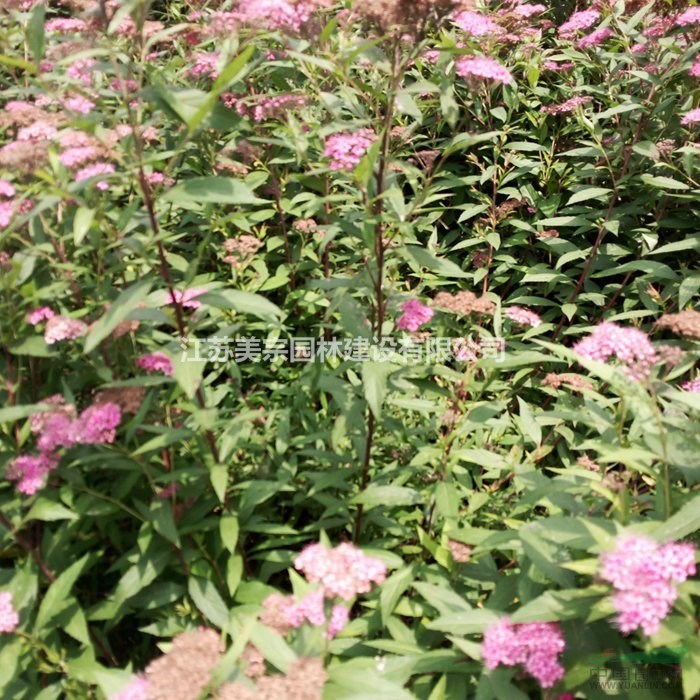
[595,38]
[30,471]
[279,14]
[414,315]
[690,16]
[6,188]
[95,170]
[523,316]
[83,70]
[60,328]
[78,104]
[534,645]
[553,65]
[344,571]
[156,362]
[526,11]
[205,65]
[692,117]
[565,107]
[644,575]
[136,690]
[483,67]
[311,608]
[9,619]
[476,24]
[695,69]
[345,150]
[630,346]
[577,22]
[37,132]
[692,385]
[188,298]
[65,25]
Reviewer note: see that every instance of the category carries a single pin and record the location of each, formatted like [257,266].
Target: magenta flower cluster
[59,428]
[535,646]
[483,67]
[345,150]
[156,362]
[577,22]
[630,346]
[414,316]
[645,576]
[523,316]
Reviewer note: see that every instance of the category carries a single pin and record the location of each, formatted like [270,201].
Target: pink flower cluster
[156,362]
[9,619]
[414,316]
[95,170]
[136,690]
[565,107]
[630,346]
[692,385]
[644,575]
[58,428]
[690,16]
[344,571]
[596,37]
[692,117]
[525,11]
[205,65]
[266,107]
[534,645]
[482,67]
[311,608]
[345,150]
[476,24]
[188,298]
[523,316]
[62,328]
[577,22]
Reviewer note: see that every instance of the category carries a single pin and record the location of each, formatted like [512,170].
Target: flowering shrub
[349,350]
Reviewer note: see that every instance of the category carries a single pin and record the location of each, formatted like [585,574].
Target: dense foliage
[348,351]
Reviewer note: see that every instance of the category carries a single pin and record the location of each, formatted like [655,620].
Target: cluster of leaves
[224,470]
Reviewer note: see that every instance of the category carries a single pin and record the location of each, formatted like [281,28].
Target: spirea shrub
[349,349]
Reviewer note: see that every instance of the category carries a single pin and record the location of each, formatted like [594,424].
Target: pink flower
[79,104]
[136,690]
[345,150]
[692,117]
[594,38]
[75,157]
[43,313]
[65,25]
[7,212]
[156,362]
[482,67]
[534,645]
[63,328]
[187,298]
[339,618]
[95,170]
[344,571]
[9,618]
[82,70]
[693,385]
[643,574]
[476,24]
[97,424]
[526,11]
[414,316]
[629,345]
[277,14]
[578,21]
[553,65]
[690,16]
[565,107]
[205,64]
[30,471]
[695,70]
[6,188]
[38,131]
[523,316]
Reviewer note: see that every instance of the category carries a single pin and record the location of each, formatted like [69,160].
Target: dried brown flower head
[128,398]
[569,379]
[255,662]
[305,226]
[464,302]
[185,671]
[23,156]
[460,552]
[587,463]
[407,16]
[685,323]
[547,233]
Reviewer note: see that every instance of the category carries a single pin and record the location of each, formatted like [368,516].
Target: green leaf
[36,37]
[588,193]
[392,589]
[388,496]
[195,191]
[374,379]
[56,597]
[272,646]
[188,370]
[690,669]
[448,104]
[243,302]
[663,182]
[422,258]
[529,426]
[208,601]
[81,224]
[685,522]
[161,515]
[49,511]
[123,305]
[228,528]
